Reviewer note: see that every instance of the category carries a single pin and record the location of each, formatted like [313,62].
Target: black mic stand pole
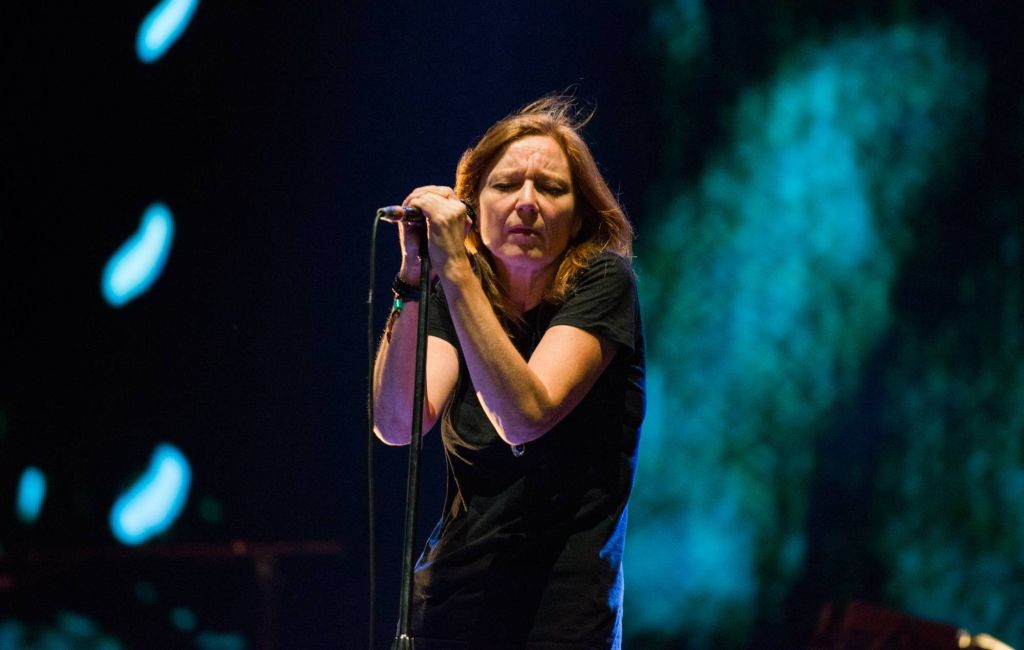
[403,641]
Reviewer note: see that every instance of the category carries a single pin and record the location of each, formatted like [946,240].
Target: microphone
[400,214]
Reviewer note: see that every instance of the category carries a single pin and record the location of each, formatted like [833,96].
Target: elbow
[524,430]
[390,429]
[396,431]
[390,438]
[523,424]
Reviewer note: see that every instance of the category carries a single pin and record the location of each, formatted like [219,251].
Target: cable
[371,442]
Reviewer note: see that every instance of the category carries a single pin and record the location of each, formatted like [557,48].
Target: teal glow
[146,592]
[211,510]
[220,641]
[954,550]
[139,261]
[77,625]
[67,630]
[788,244]
[164,24]
[184,619]
[683,27]
[31,494]
[156,499]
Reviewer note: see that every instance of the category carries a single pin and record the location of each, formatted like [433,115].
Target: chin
[525,262]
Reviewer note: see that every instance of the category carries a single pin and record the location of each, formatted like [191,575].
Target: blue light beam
[155,501]
[136,265]
[164,24]
[31,494]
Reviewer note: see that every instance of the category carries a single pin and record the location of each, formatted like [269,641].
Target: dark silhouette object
[862,626]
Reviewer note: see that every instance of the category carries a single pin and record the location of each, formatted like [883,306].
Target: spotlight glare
[155,501]
[139,261]
[31,494]
[164,24]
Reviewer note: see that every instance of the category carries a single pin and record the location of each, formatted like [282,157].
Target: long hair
[604,226]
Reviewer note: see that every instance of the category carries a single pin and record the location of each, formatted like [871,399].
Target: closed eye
[554,190]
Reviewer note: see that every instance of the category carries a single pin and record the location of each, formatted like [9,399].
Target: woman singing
[535,366]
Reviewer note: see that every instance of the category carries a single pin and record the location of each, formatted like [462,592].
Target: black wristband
[405,291]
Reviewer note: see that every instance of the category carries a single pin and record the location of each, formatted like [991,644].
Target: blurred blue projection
[31,494]
[138,262]
[162,27]
[151,505]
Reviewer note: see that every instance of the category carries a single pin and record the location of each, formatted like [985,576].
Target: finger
[432,205]
[443,191]
[440,190]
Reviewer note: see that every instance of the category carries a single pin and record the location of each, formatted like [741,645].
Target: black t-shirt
[528,551]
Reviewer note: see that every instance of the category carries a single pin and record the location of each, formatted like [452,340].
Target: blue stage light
[139,261]
[790,239]
[162,27]
[31,494]
[155,501]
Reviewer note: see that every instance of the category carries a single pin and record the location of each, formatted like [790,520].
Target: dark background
[273,131]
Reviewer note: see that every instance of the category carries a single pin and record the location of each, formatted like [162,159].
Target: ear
[577,225]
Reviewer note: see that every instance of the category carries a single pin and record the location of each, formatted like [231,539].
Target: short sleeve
[439,321]
[603,302]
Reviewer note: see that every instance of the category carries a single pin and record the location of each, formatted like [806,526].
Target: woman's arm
[393,379]
[523,400]
[395,365]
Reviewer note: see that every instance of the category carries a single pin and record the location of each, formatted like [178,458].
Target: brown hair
[604,226]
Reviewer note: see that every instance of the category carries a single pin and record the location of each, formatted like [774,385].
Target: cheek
[490,228]
[571,223]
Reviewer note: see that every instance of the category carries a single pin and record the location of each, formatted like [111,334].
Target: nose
[526,202]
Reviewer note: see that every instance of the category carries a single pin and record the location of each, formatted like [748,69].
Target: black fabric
[528,551]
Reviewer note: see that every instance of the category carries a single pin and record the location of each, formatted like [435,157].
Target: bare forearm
[513,397]
[393,379]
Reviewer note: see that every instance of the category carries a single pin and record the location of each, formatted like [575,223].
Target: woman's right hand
[447,222]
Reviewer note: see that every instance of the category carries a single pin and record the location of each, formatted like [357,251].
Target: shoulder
[603,301]
[610,260]
[606,269]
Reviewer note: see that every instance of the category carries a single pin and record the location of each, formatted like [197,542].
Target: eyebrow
[541,175]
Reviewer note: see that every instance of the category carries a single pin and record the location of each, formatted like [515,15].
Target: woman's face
[527,205]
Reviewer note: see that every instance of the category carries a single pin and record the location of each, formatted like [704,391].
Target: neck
[525,287]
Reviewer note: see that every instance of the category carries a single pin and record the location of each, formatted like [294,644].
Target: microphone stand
[403,641]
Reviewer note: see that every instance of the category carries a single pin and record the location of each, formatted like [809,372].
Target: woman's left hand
[448,223]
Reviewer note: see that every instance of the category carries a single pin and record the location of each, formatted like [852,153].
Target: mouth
[521,230]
